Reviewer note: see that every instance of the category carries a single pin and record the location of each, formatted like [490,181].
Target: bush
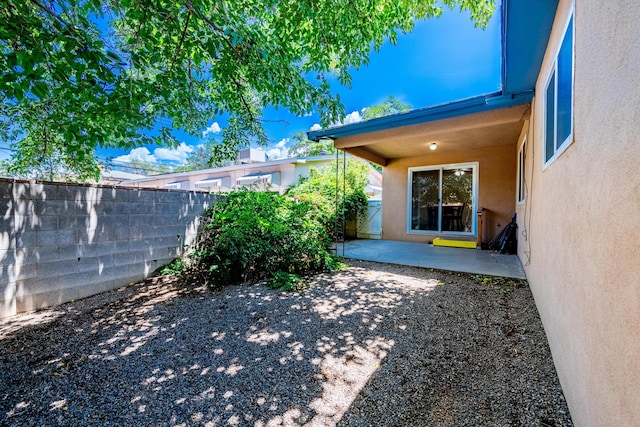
[319,189]
[252,236]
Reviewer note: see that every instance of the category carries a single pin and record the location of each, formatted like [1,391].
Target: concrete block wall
[60,242]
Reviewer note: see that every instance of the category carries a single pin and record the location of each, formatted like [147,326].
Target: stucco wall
[496,189]
[63,242]
[582,219]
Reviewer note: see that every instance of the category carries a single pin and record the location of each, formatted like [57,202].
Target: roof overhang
[526,26]
[475,130]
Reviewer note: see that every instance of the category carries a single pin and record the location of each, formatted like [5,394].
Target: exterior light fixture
[433,146]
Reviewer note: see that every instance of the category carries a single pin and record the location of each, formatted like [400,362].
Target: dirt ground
[373,345]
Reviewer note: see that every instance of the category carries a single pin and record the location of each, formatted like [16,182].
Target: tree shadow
[163,355]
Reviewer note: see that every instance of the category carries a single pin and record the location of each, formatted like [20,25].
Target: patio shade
[256,178]
[209,182]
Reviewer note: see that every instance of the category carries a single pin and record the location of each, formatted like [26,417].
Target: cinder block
[169,197]
[58,237]
[107,248]
[38,190]
[71,193]
[45,299]
[93,235]
[100,207]
[8,300]
[66,222]
[7,224]
[129,258]
[140,220]
[24,207]
[24,271]
[165,220]
[58,207]
[112,194]
[120,247]
[93,264]
[168,209]
[138,271]
[129,208]
[25,239]
[35,222]
[54,269]
[20,190]
[7,256]
[140,245]
[6,189]
[128,233]
[97,288]
[56,253]
[152,231]
[146,197]
[114,221]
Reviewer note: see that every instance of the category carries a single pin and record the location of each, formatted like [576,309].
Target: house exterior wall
[496,189]
[579,229]
[284,176]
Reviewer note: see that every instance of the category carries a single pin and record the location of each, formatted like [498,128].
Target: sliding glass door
[442,198]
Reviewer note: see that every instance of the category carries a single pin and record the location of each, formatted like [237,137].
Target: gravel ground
[373,345]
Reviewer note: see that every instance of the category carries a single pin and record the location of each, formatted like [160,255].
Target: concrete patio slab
[429,256]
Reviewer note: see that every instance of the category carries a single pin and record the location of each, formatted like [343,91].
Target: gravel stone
[373,345]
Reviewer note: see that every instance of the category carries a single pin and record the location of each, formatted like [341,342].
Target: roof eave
[424,115]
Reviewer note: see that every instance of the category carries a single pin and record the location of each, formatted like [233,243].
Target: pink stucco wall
[580,225]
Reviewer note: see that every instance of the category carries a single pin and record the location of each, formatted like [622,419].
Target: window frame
[521,188]
[553,77]
[475,166]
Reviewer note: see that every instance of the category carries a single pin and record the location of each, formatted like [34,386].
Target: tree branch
[184,33]
[214,27]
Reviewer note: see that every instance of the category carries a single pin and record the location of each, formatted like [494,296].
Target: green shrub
[175,267]
[253,236]
[319,189]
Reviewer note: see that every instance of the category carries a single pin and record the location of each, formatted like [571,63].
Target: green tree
[303,146]
[81,74]
[320,188]
[388,107]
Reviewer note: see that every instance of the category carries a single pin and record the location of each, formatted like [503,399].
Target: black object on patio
[506,242]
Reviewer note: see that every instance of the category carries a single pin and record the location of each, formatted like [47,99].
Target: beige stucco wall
[580,227]
[496,188]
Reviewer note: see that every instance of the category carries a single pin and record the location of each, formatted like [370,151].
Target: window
[558,104]
[442,199]
[521,183]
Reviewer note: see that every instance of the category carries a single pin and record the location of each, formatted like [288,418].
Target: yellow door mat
[453,243]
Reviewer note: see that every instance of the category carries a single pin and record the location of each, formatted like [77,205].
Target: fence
[60,242]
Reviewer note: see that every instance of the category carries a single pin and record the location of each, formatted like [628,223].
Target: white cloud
[214,128]
[353,117]
[179,154]
[315,127]
[140,154]
[278,151]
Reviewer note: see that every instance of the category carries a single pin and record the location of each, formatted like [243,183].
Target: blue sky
[442,60]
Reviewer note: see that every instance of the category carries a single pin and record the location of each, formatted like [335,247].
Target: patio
[429,256]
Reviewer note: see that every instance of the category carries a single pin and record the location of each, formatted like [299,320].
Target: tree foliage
[303,146]
[389,106]
[81,74]
[337,194]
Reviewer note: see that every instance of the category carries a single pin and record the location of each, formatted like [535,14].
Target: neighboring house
[559,146]
[115,177]
[275,175]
